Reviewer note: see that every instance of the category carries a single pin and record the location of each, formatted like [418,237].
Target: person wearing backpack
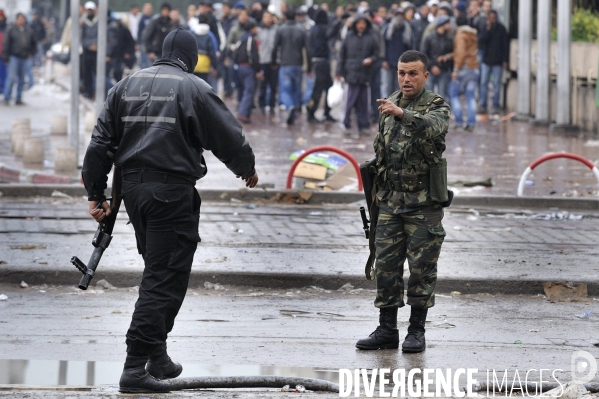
[206,47]
[248,60]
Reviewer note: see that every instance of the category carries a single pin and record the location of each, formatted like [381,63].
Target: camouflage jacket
[406,148]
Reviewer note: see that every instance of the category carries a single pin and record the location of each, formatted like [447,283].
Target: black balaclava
[181,47]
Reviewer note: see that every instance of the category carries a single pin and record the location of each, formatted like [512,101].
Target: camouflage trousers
[417,236]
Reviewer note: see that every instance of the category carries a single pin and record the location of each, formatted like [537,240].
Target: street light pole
[101,61]
[564,35]
[74,119]
[524,41]
[543,61]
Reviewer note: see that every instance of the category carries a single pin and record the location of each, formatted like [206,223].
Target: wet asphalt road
[307,332]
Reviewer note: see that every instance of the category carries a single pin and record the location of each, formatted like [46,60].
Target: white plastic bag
[335,94]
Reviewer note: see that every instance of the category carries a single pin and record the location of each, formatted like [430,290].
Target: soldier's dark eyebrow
[408,71]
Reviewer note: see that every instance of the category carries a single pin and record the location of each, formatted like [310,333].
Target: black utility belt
[150,176]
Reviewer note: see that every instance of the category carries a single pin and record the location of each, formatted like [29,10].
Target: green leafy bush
[585,26]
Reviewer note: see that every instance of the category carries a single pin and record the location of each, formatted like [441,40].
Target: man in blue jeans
[292,40]
[465,73]
[18,46]
[247,58]
[496,52]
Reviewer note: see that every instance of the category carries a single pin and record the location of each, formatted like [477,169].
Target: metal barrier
[325,148]
[547,157]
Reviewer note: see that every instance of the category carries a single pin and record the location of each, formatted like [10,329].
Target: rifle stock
[103,234]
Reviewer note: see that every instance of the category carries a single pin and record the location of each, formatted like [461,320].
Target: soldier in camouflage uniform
[411,185]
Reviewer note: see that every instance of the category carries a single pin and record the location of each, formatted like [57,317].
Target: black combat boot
[135,378]
[385,336]
[415,341]
[161,366]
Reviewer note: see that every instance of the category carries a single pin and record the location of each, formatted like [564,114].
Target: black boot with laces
[415,341]
[161,366]
[135,378]
[386,335]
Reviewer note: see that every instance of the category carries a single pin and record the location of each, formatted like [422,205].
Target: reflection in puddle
[60,372]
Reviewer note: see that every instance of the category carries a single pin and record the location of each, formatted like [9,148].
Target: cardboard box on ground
[321,171]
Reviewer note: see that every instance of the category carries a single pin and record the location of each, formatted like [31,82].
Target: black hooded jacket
[354,50]
[320,34]
[163,118]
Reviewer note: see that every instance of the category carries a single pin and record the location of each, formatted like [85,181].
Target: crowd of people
[22,46]
[289,58]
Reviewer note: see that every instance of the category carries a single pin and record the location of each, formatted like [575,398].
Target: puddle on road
[80,373]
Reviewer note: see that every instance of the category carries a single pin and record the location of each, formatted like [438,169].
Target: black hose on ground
[263,381]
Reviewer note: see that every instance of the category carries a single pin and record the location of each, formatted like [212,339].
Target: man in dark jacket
[268,87]
[144,21]
[120,49]
[248,61]
[399,38]
[419,25]
[18,46]
[358,52]
[155,32]
[438,47]
[2,64]
[206,8]
[291,39]
[155,125]
[39,31]
[89,43]
[495,42]
[318,43]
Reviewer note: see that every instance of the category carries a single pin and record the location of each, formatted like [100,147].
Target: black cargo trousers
[165,217]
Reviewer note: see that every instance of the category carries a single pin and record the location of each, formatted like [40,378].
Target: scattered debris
[571,390]
[2,262]
[455,293]
[533,330]
[60,194]
[251,206]
[293,198]
[24,284]
[518,342]
[491,230]
[567,292]
[29,246]
[556,216]
[3,297]
[298,389]
[209,286]
[346,287]
[217,260]
[105,284]
[585,315]
[472,183]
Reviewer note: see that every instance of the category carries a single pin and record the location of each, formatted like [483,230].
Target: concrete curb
[317,197]
[70,276]
[33,177]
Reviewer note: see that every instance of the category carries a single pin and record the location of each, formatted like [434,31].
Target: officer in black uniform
[155,125]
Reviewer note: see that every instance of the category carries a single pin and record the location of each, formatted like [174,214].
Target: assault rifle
[368,174]
[103,235]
